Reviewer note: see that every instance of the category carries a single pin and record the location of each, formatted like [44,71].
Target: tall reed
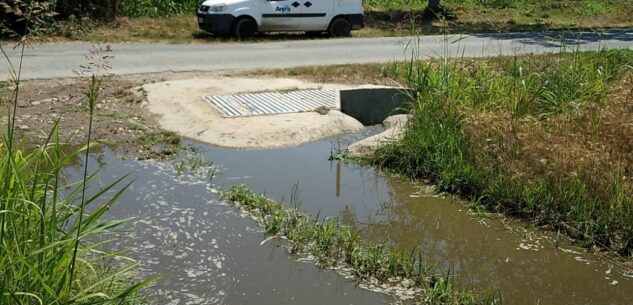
[51,244]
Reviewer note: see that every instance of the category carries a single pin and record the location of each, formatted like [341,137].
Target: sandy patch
[181,109]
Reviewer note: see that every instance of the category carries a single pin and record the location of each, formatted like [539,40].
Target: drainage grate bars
[249,104]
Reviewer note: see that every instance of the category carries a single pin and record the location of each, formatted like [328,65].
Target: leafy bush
[102,10]
[19,17]
[158,8]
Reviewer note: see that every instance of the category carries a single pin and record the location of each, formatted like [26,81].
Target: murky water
[208,254]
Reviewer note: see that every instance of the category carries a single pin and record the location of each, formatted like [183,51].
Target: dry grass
[356,74]
[546,15]
[592,146]
[177,29]
[541,137]
[593,140]
[470,16]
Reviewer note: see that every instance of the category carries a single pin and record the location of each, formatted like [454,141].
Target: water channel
[208,254]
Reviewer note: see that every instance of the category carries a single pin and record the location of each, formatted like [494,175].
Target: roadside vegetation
[174,21]
[52,233]
[540,137]
[468,16]
[401,273]
[544,138]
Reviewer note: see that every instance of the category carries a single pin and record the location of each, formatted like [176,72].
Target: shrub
[102,10]
[158,8]
[18,17]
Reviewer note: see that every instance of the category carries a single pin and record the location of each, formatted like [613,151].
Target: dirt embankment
[120,118]
[145,115]
[181,109]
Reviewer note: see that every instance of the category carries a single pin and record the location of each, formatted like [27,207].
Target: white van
[244,18]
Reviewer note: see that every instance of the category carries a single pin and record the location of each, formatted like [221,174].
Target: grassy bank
[545,138]
[513,15]
[332,245]
[52,235]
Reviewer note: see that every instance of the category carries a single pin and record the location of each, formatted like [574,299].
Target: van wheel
[244,28]
[340,27]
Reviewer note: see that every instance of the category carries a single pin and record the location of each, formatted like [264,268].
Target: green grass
[175,22]
[540,137]
[53,235]
[580,7]
[333,245]
[190,161]
[472,16]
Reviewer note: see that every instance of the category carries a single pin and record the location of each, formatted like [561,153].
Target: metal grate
[274,102]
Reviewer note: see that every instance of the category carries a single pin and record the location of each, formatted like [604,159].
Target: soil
[120,117]
[144,116]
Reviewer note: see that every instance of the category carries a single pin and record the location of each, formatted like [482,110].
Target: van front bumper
[216,23]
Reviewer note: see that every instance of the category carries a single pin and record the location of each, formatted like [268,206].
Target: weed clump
[331,245]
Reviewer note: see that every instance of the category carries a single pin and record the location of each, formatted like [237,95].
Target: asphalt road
[63,59]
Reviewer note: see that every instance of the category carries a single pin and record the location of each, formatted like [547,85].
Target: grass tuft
[334,246]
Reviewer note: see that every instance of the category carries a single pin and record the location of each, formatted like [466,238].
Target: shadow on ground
[422,22]
[260,37]
[560,38]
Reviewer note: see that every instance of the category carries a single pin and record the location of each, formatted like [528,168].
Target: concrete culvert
[372,105]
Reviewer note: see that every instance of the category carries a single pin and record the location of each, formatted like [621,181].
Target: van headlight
[218,7]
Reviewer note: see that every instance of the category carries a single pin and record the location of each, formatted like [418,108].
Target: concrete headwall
[372,106]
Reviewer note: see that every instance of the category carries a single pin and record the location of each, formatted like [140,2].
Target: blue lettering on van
[283,9]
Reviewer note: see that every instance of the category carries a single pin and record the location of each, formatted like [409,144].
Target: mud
[120,117]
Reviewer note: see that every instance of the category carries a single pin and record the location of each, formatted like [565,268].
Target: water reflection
[205,252]
[523,265]
[208,254]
